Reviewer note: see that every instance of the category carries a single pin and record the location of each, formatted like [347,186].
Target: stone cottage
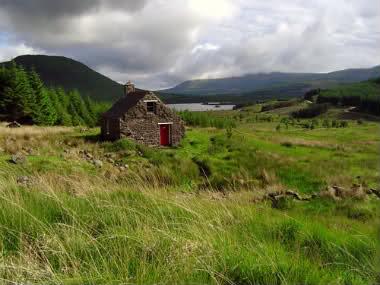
[142,116]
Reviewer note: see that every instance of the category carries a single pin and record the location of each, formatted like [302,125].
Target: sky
[160,43]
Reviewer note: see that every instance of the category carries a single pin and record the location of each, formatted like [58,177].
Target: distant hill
[288,84]
[70,74]
[365,95]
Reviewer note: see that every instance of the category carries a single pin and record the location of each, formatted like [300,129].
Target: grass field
[191,215]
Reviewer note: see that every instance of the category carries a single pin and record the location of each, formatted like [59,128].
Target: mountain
[290,83]
[70,74]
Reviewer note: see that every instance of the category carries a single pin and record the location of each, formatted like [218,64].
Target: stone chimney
[129,87]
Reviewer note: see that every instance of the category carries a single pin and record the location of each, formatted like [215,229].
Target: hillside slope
[364,95]
[295,83]
[70,74]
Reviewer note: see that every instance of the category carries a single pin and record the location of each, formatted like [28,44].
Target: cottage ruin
[143,117]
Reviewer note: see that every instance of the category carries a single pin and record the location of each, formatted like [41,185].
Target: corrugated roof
[125,103]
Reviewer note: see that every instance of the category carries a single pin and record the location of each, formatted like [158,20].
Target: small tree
[326,123]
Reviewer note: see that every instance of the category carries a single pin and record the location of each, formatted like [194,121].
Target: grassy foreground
[189,215]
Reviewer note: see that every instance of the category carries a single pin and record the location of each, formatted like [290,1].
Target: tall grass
[87,231]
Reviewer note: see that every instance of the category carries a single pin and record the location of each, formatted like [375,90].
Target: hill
[364,95]
[59,71]
[289,84]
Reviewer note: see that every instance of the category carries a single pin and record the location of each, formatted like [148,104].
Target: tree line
[364,95]
[25,98]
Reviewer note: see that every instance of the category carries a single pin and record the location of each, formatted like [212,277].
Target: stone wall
[143,126]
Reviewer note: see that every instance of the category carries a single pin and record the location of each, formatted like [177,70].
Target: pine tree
[46,112]
[17,96]
[77,105]
[57,97]
[25,89]
[91,111]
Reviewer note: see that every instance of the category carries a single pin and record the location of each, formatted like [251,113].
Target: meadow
[192,214]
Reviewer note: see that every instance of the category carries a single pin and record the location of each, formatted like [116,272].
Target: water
[200,107]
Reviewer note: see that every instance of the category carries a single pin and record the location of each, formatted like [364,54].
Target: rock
[14,124]
[87,154]
[18,158]
[339,191]
[98,163]
[357,191]
[109,155]
[110,160]
[24,180]
[28,150]
[374,192]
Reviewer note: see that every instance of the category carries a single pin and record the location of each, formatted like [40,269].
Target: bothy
[142,116]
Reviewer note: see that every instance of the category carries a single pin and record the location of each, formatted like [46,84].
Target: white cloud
[204,47]
[159,43]
[8,52]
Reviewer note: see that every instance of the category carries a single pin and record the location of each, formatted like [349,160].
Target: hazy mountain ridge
[264,81]
[71,74]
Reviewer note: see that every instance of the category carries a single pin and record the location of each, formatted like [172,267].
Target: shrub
[311,111]
[326,123]
[202,119]
[278,105]
[287,144]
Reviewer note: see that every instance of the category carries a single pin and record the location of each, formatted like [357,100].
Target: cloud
[159,43]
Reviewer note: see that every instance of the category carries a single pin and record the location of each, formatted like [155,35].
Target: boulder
[14,124]
[110,160]
[18,158]
[98,163]
[24,180]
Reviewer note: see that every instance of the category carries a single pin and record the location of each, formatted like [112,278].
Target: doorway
[165,134]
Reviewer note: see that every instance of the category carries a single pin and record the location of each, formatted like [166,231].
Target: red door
[164,135]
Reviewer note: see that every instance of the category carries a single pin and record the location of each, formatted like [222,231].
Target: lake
[200,107]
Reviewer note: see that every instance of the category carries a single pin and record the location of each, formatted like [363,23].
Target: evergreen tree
[46,112]
[25,90]
[23,97]
[77,105]
[58,98]
[91,111]
[17,96]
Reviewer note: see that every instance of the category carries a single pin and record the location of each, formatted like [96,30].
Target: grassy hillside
[195,214]
[364,95]
[291,83]
[59,71]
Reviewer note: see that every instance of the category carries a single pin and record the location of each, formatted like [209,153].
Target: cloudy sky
[160,43]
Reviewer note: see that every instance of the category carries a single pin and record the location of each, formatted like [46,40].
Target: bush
[202,119]
[311,111]
[326,123]
[278,105]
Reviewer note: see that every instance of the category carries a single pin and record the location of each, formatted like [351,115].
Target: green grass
[152,236]
[188,215]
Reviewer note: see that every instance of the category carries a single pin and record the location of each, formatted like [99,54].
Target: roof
[125,103]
